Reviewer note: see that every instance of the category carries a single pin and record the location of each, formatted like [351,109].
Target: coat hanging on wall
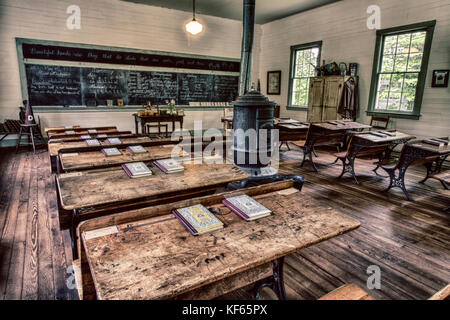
[349,105]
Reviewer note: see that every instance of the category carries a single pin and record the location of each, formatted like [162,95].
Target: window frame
[294,49]
[428,27]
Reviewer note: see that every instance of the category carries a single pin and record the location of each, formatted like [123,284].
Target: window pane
[415,62]
[410,82]
[407,103]
[388,63]
[394,101]
[418,42]
[403,44]
[396,82]
[400,62]
[383,91]
[390,44]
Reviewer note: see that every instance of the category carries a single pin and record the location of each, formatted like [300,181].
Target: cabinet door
[332,97]
[315,99]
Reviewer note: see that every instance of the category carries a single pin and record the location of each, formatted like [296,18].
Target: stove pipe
[248,30]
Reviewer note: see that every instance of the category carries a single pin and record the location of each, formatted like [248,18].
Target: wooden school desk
[151,255]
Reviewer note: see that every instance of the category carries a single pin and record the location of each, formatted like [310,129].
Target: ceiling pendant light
[194,27]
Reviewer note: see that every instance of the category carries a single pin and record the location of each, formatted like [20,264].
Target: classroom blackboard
[50,85]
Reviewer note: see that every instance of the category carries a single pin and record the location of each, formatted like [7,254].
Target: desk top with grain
[157,258]
[62,129]
[292,126]
[85,189]
[443,150]
[96,159]
[387,139]
[55,147]
[343,125]
[78,137]
[59,135]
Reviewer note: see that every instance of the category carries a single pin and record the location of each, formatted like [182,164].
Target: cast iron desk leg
[275,281]
[73,233]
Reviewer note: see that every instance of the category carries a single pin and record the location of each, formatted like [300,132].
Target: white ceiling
[265,10]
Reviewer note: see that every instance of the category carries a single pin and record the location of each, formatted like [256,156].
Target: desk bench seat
[347,292]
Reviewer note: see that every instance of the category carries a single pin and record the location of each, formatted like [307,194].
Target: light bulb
[194,27]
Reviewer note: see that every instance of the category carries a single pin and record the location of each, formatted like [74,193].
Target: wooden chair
[355,151]
[379,123]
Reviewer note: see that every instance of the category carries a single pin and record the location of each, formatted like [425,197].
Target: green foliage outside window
[304,59]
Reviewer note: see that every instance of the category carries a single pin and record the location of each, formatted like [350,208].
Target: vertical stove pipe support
[247,45]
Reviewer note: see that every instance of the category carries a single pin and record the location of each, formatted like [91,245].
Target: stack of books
[69,132]
[85,136]
[92,130]
[92,142]
[136,169]
[136,149]
[169,165]
[436,142]
[246,207]
[108,152]
[197,219]
[113,140]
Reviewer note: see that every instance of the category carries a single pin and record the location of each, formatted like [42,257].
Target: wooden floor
[410,242]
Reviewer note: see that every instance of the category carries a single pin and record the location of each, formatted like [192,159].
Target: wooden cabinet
[324,97]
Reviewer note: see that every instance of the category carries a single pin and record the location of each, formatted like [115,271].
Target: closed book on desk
[377,134]
[136,169]
[391,134]
[102,135]
[92,142]
[445,142]
[136,149]
[69,132]
[246,207]
[113,141]
[434,142]
[109,152]
[197,219]
[169,165]
[85,136]
[92,131]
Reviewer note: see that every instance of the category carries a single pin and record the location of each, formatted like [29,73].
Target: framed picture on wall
[440,79]
[273,82]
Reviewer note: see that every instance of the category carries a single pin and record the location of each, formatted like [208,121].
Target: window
[399,71]
[304,58]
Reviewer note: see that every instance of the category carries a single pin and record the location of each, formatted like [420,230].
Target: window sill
[394,115]
[296,108]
